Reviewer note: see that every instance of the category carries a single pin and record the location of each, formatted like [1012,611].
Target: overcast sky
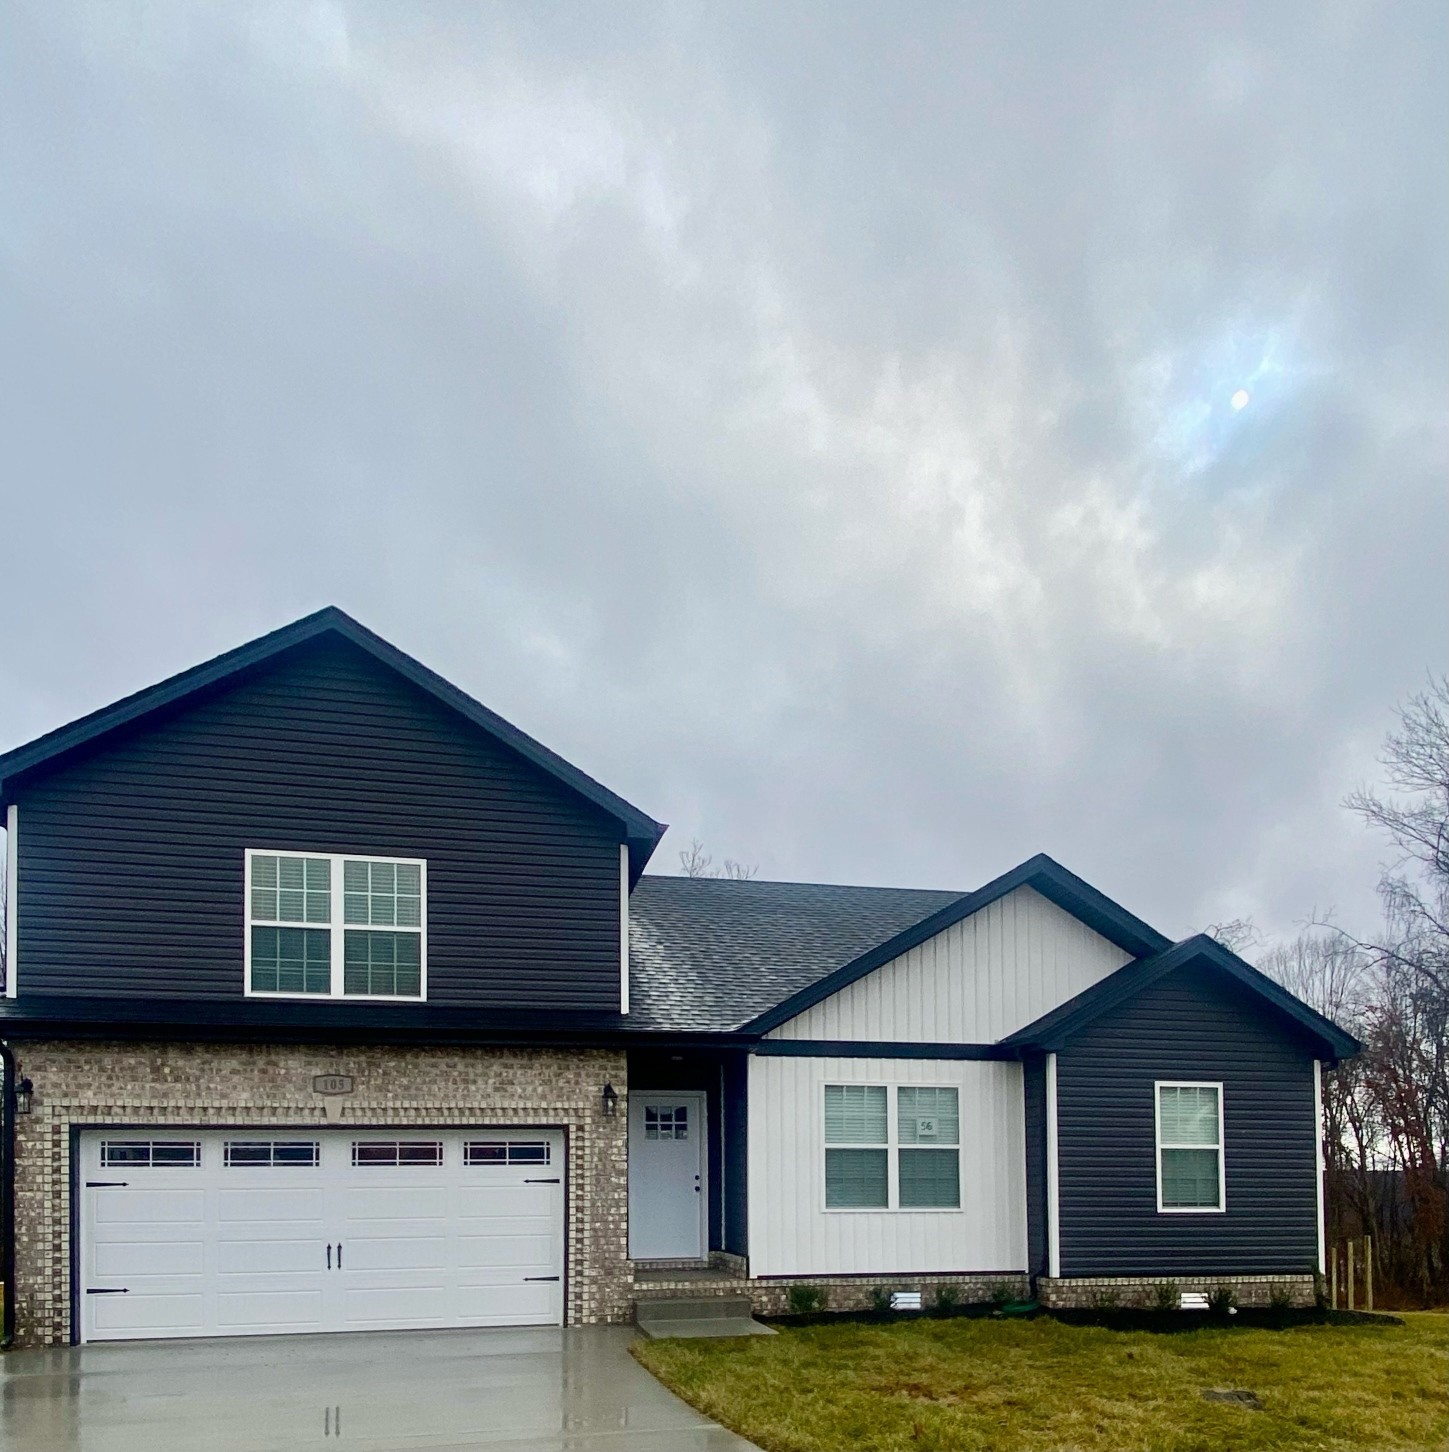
[815,421]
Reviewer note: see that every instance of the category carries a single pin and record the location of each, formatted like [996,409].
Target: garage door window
[243,1153]
[397,1152]
[506,1152]
[335,926]
[151,1153]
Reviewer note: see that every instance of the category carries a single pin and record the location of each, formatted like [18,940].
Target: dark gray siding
[1195,1024]
[736,1238]
[1034,1087]
[131,859]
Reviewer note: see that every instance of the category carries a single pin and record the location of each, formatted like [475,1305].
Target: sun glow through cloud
[1240,400]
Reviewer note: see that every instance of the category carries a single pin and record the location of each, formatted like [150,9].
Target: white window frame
[1222,1206]
[336,926]
[892,1146]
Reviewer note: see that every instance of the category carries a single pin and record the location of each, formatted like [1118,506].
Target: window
[242,1153]
[1190,1147]
[928,1128]
[397,1152]
[506,1152]
[155,1154]
[666,1123]
[861,1151]
[857,1173]
[336,927]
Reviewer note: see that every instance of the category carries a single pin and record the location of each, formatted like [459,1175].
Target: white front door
[667,1191]
[255,1231]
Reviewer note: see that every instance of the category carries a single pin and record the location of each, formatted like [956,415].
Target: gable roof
[640,831]
[708,955]
[1053,1030]
[1040,873]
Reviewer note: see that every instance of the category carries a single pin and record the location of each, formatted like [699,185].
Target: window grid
[240,1154]
[397,1152]
[1191,1165]
[666,1122]
[507,1152]
[154,1154]
[892,1147]
[312,926]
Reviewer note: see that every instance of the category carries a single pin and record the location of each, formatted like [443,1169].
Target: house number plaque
[332,1084]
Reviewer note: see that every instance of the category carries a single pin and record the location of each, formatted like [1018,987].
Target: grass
[1042,1386]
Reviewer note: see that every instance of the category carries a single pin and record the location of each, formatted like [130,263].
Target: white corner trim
[1054,1208]
[1318,1160]
[623,927]
[12,898]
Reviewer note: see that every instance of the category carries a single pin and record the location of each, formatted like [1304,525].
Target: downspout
[7,1194]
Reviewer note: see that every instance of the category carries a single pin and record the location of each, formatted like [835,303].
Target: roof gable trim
[1053,1030]
[1041,873]
[641,831]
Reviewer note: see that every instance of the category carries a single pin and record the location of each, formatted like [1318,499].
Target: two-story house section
[335,1002]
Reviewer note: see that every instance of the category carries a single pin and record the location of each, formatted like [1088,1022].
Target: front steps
[694,1316]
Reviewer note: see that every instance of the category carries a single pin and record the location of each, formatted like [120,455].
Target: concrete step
[692,1308]
[705,1326]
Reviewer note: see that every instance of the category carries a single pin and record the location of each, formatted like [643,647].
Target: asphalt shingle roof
[710,954]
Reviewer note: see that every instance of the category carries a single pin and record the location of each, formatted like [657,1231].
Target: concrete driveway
[504,1391]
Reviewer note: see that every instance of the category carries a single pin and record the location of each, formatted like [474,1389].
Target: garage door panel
[150,1315]
[508,1250]
[220,1249]
[122,1260]
[159,1206]
[262,1256]
[279,1309]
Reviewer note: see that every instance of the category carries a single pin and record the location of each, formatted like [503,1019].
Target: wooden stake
[1333,1278]
[1348,1278]
[1368,1272]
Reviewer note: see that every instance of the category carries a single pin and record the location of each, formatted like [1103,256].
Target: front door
[667,1191]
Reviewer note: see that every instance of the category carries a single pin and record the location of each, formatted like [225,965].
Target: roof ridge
[794,882]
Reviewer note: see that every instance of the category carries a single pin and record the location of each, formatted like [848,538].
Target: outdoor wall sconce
[611,1101]
[24,1094]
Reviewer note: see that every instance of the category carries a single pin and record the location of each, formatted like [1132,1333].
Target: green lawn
[1041,1386]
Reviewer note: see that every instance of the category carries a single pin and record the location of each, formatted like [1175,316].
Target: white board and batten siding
[793,1234]
[973,983]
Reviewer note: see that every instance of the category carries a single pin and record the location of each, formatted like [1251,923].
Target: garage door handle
[553,1181]
[108,1291]
[106,1184]
[329,1255]
[540,1278]
[339,1255]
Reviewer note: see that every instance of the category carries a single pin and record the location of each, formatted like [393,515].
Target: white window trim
[337,927]
[1221,1207]
[892,1146]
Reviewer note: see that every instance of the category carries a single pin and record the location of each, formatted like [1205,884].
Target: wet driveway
[504,1391]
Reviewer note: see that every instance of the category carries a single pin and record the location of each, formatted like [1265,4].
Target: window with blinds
[1190,1171]
[867,1136]
[335,926]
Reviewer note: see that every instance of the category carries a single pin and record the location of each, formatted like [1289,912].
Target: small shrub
[1222,1299]
[1320,1291]
[947,1298]
[880,1299]
[1166,1296]
[1000,1292]
[1105,1300]
[1280,1297]
[806,1300]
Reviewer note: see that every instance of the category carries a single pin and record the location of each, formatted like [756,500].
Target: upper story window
[335,926]
[1190,1174]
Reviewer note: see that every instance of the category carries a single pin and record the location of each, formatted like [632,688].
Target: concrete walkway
[501,1391]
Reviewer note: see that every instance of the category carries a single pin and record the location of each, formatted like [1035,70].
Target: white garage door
[252,1232]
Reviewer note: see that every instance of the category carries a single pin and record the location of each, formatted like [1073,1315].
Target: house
[336,1002]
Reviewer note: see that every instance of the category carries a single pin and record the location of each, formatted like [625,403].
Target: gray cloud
[813,423]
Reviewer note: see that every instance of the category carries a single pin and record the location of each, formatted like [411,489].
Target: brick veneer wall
[206,1085]
[842,1293]
[1137,1292]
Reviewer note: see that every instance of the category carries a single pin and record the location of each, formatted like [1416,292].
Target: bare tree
[694,861]
[1237,935]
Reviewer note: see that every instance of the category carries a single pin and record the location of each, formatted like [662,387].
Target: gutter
[7,1194]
